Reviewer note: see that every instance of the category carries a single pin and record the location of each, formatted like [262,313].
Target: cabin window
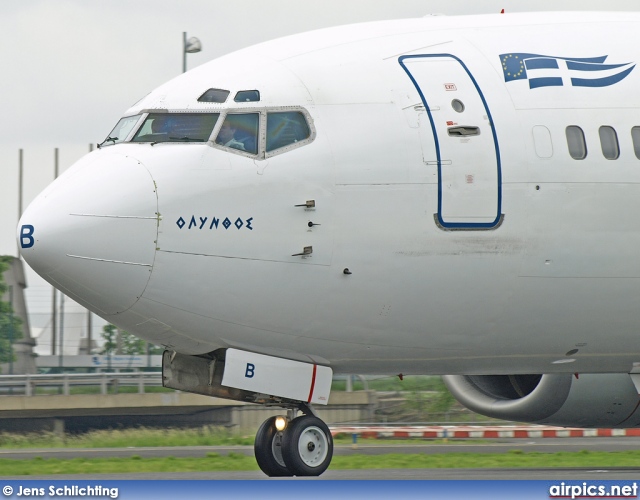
[247,96]
[635,136]
[122,130]
[609,143]
[177,127]
[240,131]
[214,95]
[284,129]
[576,142]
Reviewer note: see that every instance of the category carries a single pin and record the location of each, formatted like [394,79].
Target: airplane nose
[92,233]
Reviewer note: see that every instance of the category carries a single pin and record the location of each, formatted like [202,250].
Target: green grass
[509,460]
[147,437]
[135,464]
[123,438]
[238,462]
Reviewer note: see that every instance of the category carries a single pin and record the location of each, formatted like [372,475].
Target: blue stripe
[541,64]
[598,60]
[535,83]
[600,82]
[592,67]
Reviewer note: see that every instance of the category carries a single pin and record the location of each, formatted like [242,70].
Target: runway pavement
[547,445]
[366,447]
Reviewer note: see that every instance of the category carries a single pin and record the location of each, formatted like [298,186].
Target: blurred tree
[156,349]
[443,401]
[9,330]
[130,344]
[109,335]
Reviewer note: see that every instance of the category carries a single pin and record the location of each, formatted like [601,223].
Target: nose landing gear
[304,448]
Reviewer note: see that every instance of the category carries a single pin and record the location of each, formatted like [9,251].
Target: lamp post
[54,300]
[189,47]
[61,351]
[11,329]
[20,176]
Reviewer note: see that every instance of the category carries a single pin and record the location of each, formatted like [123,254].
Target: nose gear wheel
[268,450]
[307,446]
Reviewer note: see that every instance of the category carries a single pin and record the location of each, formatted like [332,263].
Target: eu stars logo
[513,67]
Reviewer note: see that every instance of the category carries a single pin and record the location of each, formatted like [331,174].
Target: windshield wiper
[112,139]
[186,139]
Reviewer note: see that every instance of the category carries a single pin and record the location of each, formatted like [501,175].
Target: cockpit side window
[176,127]
[122,130]
[284,129]
[214,95]
[247,96]
[240,131]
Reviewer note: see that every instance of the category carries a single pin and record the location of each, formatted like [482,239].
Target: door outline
[459,226]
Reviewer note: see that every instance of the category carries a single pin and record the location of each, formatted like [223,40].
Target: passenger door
[465,144]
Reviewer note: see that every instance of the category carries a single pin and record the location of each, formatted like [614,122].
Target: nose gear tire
[307,446]
[268,450]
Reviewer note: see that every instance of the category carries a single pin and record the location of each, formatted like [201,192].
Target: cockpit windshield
[176,127]
[122,130]
[252,132]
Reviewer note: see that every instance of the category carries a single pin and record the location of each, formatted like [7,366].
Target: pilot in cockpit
[162,125]
[226,137]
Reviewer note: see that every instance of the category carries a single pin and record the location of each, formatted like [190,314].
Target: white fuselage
[489,253]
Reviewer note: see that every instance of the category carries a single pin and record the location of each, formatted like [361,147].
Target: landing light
[281,423]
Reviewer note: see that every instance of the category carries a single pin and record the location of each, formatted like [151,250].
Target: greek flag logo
[552,71]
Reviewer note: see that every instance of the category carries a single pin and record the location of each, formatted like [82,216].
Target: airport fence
[79,383]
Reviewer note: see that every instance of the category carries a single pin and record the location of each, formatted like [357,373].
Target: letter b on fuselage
[26,236]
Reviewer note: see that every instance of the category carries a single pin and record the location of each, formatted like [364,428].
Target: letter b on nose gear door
[277,377]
